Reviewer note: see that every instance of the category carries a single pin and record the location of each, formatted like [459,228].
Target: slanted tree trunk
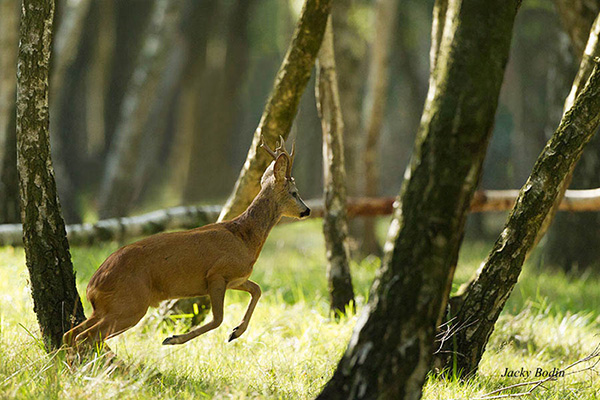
[9,46]
[56,302]
[116,190]
[391,348]
[572,239]
[559,242]
[375,104]
[335,225]
[486,297]
[281,107]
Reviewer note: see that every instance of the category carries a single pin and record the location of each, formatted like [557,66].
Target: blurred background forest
[178,88]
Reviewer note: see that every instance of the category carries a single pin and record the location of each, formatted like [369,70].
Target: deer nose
[305,213]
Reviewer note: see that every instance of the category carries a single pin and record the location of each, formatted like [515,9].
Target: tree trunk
[335,225]
[375,103]
[390,351]
[486,297]
[9,46]
[577,17]
[281,107]
[571,240]
[117,186]
[56,301]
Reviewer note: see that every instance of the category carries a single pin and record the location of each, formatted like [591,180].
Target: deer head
[279,176]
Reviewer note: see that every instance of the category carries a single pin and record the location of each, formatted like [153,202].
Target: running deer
[202,261]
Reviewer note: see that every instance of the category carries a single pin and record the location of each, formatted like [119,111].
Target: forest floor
[292,346]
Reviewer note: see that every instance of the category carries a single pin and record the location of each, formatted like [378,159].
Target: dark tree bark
[375,103]
[486,297]
[56,301]
[9,45]
[117,187]
[281,107]
[391,349]
[335,225]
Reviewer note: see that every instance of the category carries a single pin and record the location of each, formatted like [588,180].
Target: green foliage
[292,345]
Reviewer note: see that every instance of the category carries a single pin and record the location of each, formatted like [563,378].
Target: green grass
[292,346]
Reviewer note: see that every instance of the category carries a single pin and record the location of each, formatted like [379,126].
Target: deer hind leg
[69,337]
[109,326]
[216,291]
[255,292]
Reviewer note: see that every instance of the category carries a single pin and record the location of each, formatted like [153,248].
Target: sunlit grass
[292,345]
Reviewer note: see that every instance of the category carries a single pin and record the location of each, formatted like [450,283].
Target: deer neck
[254,224]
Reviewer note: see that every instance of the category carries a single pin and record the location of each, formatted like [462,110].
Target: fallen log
[123,229]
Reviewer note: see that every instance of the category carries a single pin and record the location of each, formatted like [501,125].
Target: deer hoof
[237,332]
[171,340]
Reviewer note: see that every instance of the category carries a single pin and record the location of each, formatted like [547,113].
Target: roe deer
[202,261]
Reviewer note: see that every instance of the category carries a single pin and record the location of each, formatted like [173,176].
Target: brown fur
[201,261]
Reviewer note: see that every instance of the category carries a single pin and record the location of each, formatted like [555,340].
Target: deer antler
[280,150]
[267,148]
[290,157]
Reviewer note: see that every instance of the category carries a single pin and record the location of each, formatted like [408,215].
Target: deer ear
[280,167]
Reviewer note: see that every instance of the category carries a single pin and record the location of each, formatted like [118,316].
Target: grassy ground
[292,346]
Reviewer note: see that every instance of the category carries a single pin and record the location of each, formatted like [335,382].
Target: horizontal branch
[121,229]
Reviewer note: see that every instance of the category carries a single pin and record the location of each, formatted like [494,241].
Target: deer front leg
[216,291]
[255,292]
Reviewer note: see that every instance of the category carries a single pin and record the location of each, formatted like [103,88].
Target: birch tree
[335,224]
[56,301]
[282,106]
[391,348]
[571,240]
[484,298]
